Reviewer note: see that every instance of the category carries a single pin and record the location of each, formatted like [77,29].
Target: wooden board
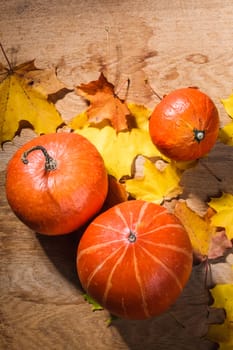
[158,45]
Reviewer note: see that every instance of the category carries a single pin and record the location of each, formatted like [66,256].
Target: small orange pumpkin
[134,259]
[184,125]
[55,183]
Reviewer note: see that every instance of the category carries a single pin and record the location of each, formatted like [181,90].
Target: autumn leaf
[222,271]
[155,182]
[21,101]
[119,149]
[104,104]
[79,121]
[224,213]
[228,105]
[140,115]
[223,333]
[200,231]
[218,245]
[93,303]
[226,133]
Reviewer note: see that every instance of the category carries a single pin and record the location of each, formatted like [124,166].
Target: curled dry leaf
[221,272]
[218,245]
[104,104]
[21,101]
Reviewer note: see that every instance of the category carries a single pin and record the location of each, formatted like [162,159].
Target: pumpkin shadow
[183,326]
[211,176]
[61,251]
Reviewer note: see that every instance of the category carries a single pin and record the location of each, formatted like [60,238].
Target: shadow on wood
[211,176]
[61,250]
[183,326]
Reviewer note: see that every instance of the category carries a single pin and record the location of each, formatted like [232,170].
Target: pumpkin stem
[50,163]
[132,237]
[199,135]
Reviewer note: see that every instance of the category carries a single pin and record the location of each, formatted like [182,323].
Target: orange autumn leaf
[104,104]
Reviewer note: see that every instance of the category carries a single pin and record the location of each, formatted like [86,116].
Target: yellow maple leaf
[226,133]
[224,213]
[155,184]
[141,115]
[228,105]
[223,333]
[200,231]
[21,101]
[119,149]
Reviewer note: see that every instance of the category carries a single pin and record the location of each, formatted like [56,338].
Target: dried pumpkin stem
[132,237]
[50,163]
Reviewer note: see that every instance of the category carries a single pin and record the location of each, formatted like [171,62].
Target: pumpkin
[134,259]
[184,125]
[55,183]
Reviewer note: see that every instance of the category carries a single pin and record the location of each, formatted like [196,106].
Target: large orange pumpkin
[55,183]
[134,259]
[185,124]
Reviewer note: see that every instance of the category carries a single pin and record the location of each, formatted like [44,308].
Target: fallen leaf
[199,229]
[221,272]
[154,182]
[228,105]
[79,121]
[21,102]
[104,104]
[93,303]
[140,115]
[120,149]
[223,333]
[218,245]
[224,213]
[226,133]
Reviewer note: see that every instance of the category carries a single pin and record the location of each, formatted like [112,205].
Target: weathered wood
[42,305]
[160,45]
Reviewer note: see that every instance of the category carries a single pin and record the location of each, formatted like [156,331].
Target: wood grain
[158,45]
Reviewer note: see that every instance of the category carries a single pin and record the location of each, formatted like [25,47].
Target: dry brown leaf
[104,104]
[218,245]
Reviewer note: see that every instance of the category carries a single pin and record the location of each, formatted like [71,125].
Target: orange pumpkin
[184,125]
[134,259]
[55,183]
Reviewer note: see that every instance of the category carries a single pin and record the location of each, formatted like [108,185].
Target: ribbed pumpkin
[135,259]
[55,183]
[184,125]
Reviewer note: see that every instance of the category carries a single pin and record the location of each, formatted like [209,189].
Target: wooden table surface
[158,45]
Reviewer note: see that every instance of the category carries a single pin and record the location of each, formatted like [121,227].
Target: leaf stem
[6,58]
[50,163]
